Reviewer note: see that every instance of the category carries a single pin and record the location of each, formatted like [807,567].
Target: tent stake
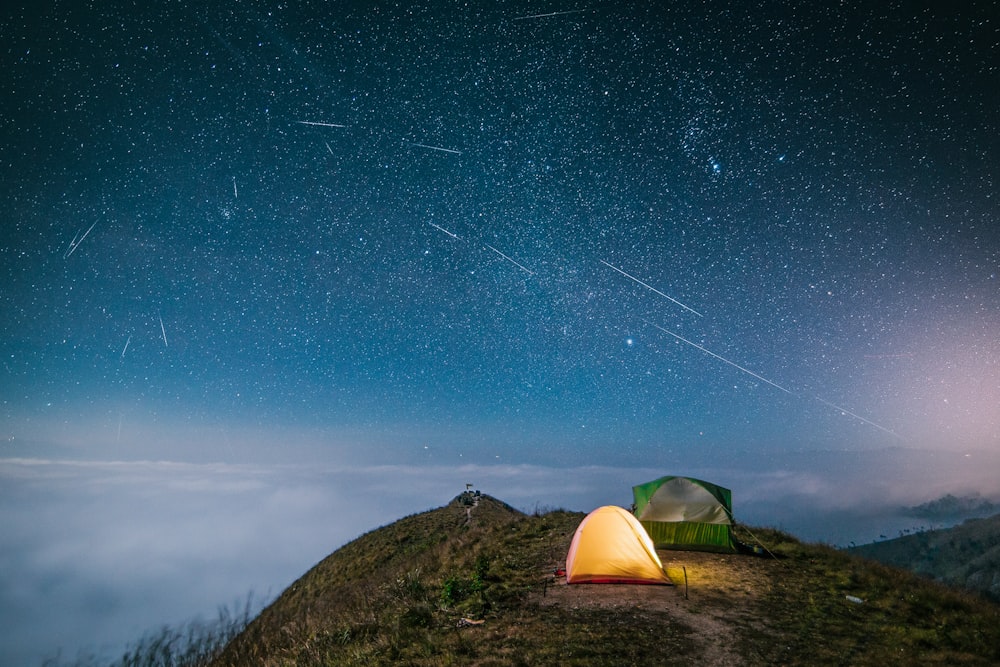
[685,581]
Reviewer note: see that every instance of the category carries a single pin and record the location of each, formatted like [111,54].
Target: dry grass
[398,596]
[901,619]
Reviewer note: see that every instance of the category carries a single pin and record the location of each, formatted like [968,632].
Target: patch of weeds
[457,589]
[454,590]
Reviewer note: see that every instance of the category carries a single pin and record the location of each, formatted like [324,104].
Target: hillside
[967,555]
[463,585]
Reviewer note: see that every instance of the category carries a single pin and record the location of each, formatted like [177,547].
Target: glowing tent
[686,513]
[610,547]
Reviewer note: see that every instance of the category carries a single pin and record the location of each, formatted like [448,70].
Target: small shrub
[454,590]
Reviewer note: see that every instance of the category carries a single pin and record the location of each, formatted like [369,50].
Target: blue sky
[751,243]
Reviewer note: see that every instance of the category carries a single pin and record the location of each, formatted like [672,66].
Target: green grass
[903,619]
[967,555]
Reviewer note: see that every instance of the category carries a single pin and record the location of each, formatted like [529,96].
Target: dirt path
[722,591]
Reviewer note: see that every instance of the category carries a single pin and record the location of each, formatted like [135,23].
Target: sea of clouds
[96,554]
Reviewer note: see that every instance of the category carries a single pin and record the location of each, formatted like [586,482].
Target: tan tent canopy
[610,546]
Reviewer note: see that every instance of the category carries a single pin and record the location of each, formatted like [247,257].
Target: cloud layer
[98,553]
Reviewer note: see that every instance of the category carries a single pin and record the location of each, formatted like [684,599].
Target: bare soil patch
[719,596]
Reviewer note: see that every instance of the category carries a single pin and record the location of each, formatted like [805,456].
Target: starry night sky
[813,188]
[458,233]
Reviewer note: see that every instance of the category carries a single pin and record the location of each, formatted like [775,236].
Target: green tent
[686,513]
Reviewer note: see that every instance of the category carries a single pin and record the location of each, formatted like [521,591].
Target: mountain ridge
[474,583]
[966,555]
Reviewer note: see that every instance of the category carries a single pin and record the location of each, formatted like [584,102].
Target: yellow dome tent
[610,546]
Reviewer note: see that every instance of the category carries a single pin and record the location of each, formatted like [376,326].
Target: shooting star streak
[75,243]
[723,359]
[848,412]
[435,148]
[454,236]
[72,246]
[313,122]
[163,331]
[544,16]
[328,147]
[126,346]
[649,287]
[520,266]
[236,195]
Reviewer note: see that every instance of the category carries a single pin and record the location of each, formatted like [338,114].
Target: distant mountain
[951,508]
[967,555]
[477,583]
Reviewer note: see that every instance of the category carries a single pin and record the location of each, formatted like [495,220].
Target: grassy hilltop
[464,585]
[967,555]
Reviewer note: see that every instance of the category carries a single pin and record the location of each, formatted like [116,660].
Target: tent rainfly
[686,513]
[610,547]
